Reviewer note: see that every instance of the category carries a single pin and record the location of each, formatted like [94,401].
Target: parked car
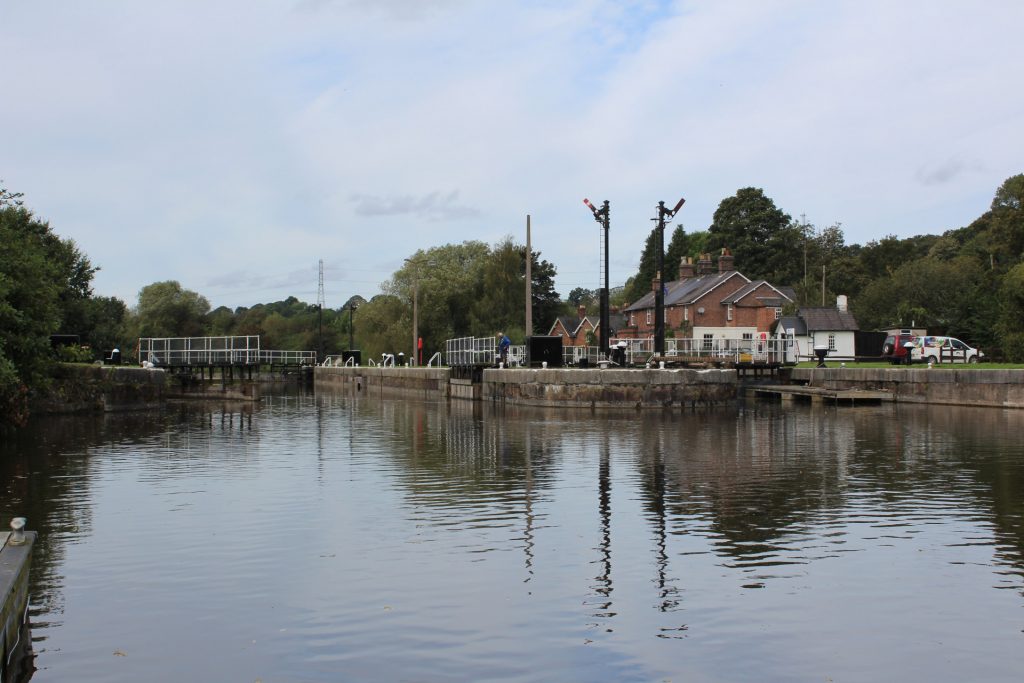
[944,350]
[895,350]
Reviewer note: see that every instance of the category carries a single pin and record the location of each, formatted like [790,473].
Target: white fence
[240,350]
[479,351]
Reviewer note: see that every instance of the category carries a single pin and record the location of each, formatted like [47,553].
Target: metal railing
[717,349]
[466,351]
[240,350]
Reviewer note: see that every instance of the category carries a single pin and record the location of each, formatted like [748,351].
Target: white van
[944,350]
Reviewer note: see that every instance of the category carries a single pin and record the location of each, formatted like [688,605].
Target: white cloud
[230,146]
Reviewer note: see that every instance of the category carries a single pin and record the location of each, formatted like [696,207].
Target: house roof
[688,290]
[828,319]
[792,322]
[572,323]
[742,292]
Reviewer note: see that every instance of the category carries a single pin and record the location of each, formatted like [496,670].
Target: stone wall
[425,383]
[100,388]
[610,388]
[550,387]
[969,387]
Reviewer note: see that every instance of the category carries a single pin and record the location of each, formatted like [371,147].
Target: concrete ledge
[966,386]
[610,388]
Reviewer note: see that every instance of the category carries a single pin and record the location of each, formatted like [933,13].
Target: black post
[320,332]
[605,335]
[659,293]
[351,308]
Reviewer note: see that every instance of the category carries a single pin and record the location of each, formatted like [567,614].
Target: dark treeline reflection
[753,481]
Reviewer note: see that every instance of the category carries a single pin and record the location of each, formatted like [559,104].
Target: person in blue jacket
[503,344]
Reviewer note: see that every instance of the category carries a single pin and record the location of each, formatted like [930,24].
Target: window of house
[778,313]
[709,342]
[686,312]
[632,319]
[649,313]
[728,311]
[831,342]
[748,336]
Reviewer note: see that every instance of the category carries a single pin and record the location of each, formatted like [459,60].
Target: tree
[30,287]
[582,296]
[640,283]
[1011,314]
[760,236]
[166,309]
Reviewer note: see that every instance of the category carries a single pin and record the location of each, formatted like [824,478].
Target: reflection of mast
[667,594]
[604,585]
[319,440]
[528,534]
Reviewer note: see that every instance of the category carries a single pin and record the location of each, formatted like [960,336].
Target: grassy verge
[917,366]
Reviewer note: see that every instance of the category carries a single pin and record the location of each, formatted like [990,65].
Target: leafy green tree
[760,236]
[640,284]
[582,296]
[1011,314]
[30,287]
[166,309]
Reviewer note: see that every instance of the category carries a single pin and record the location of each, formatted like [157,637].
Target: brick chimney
[582,311]
[725,261]
[686,269]
[655,281]
[704,264]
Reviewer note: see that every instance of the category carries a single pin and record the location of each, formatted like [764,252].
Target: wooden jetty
[15,561]
[790,392]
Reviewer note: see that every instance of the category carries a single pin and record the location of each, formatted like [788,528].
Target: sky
[233,146]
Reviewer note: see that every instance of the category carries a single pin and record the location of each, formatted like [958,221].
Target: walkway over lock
[204,352]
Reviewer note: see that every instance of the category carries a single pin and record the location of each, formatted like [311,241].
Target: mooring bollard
[17,536]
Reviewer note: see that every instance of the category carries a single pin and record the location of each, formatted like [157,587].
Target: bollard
[17,531]
[661,365]
[544,365]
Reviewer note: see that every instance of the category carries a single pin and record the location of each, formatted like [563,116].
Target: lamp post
[415,312]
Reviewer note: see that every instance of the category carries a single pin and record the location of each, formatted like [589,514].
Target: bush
[1013,347]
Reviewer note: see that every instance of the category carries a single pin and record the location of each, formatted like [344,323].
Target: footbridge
[228,354]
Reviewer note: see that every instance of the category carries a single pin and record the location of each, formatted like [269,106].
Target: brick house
[573,329]
[703,303]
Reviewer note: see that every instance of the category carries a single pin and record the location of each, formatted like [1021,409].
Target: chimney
[704,264]
[582,310]
[725,261]
[655,281]
[841,302]
[686,269]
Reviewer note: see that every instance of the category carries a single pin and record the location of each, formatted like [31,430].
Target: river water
[331,538]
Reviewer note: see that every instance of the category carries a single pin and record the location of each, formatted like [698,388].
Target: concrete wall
[610,388]
[991,388]
[425,383]
[552,387]
[93,388]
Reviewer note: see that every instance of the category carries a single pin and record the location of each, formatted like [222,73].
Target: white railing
[718,349]
[437,357]
[241,350]
[287,357]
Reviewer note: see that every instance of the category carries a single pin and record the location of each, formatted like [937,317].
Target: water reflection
[453,538]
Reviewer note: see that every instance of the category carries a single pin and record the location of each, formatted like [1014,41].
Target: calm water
[326,538]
